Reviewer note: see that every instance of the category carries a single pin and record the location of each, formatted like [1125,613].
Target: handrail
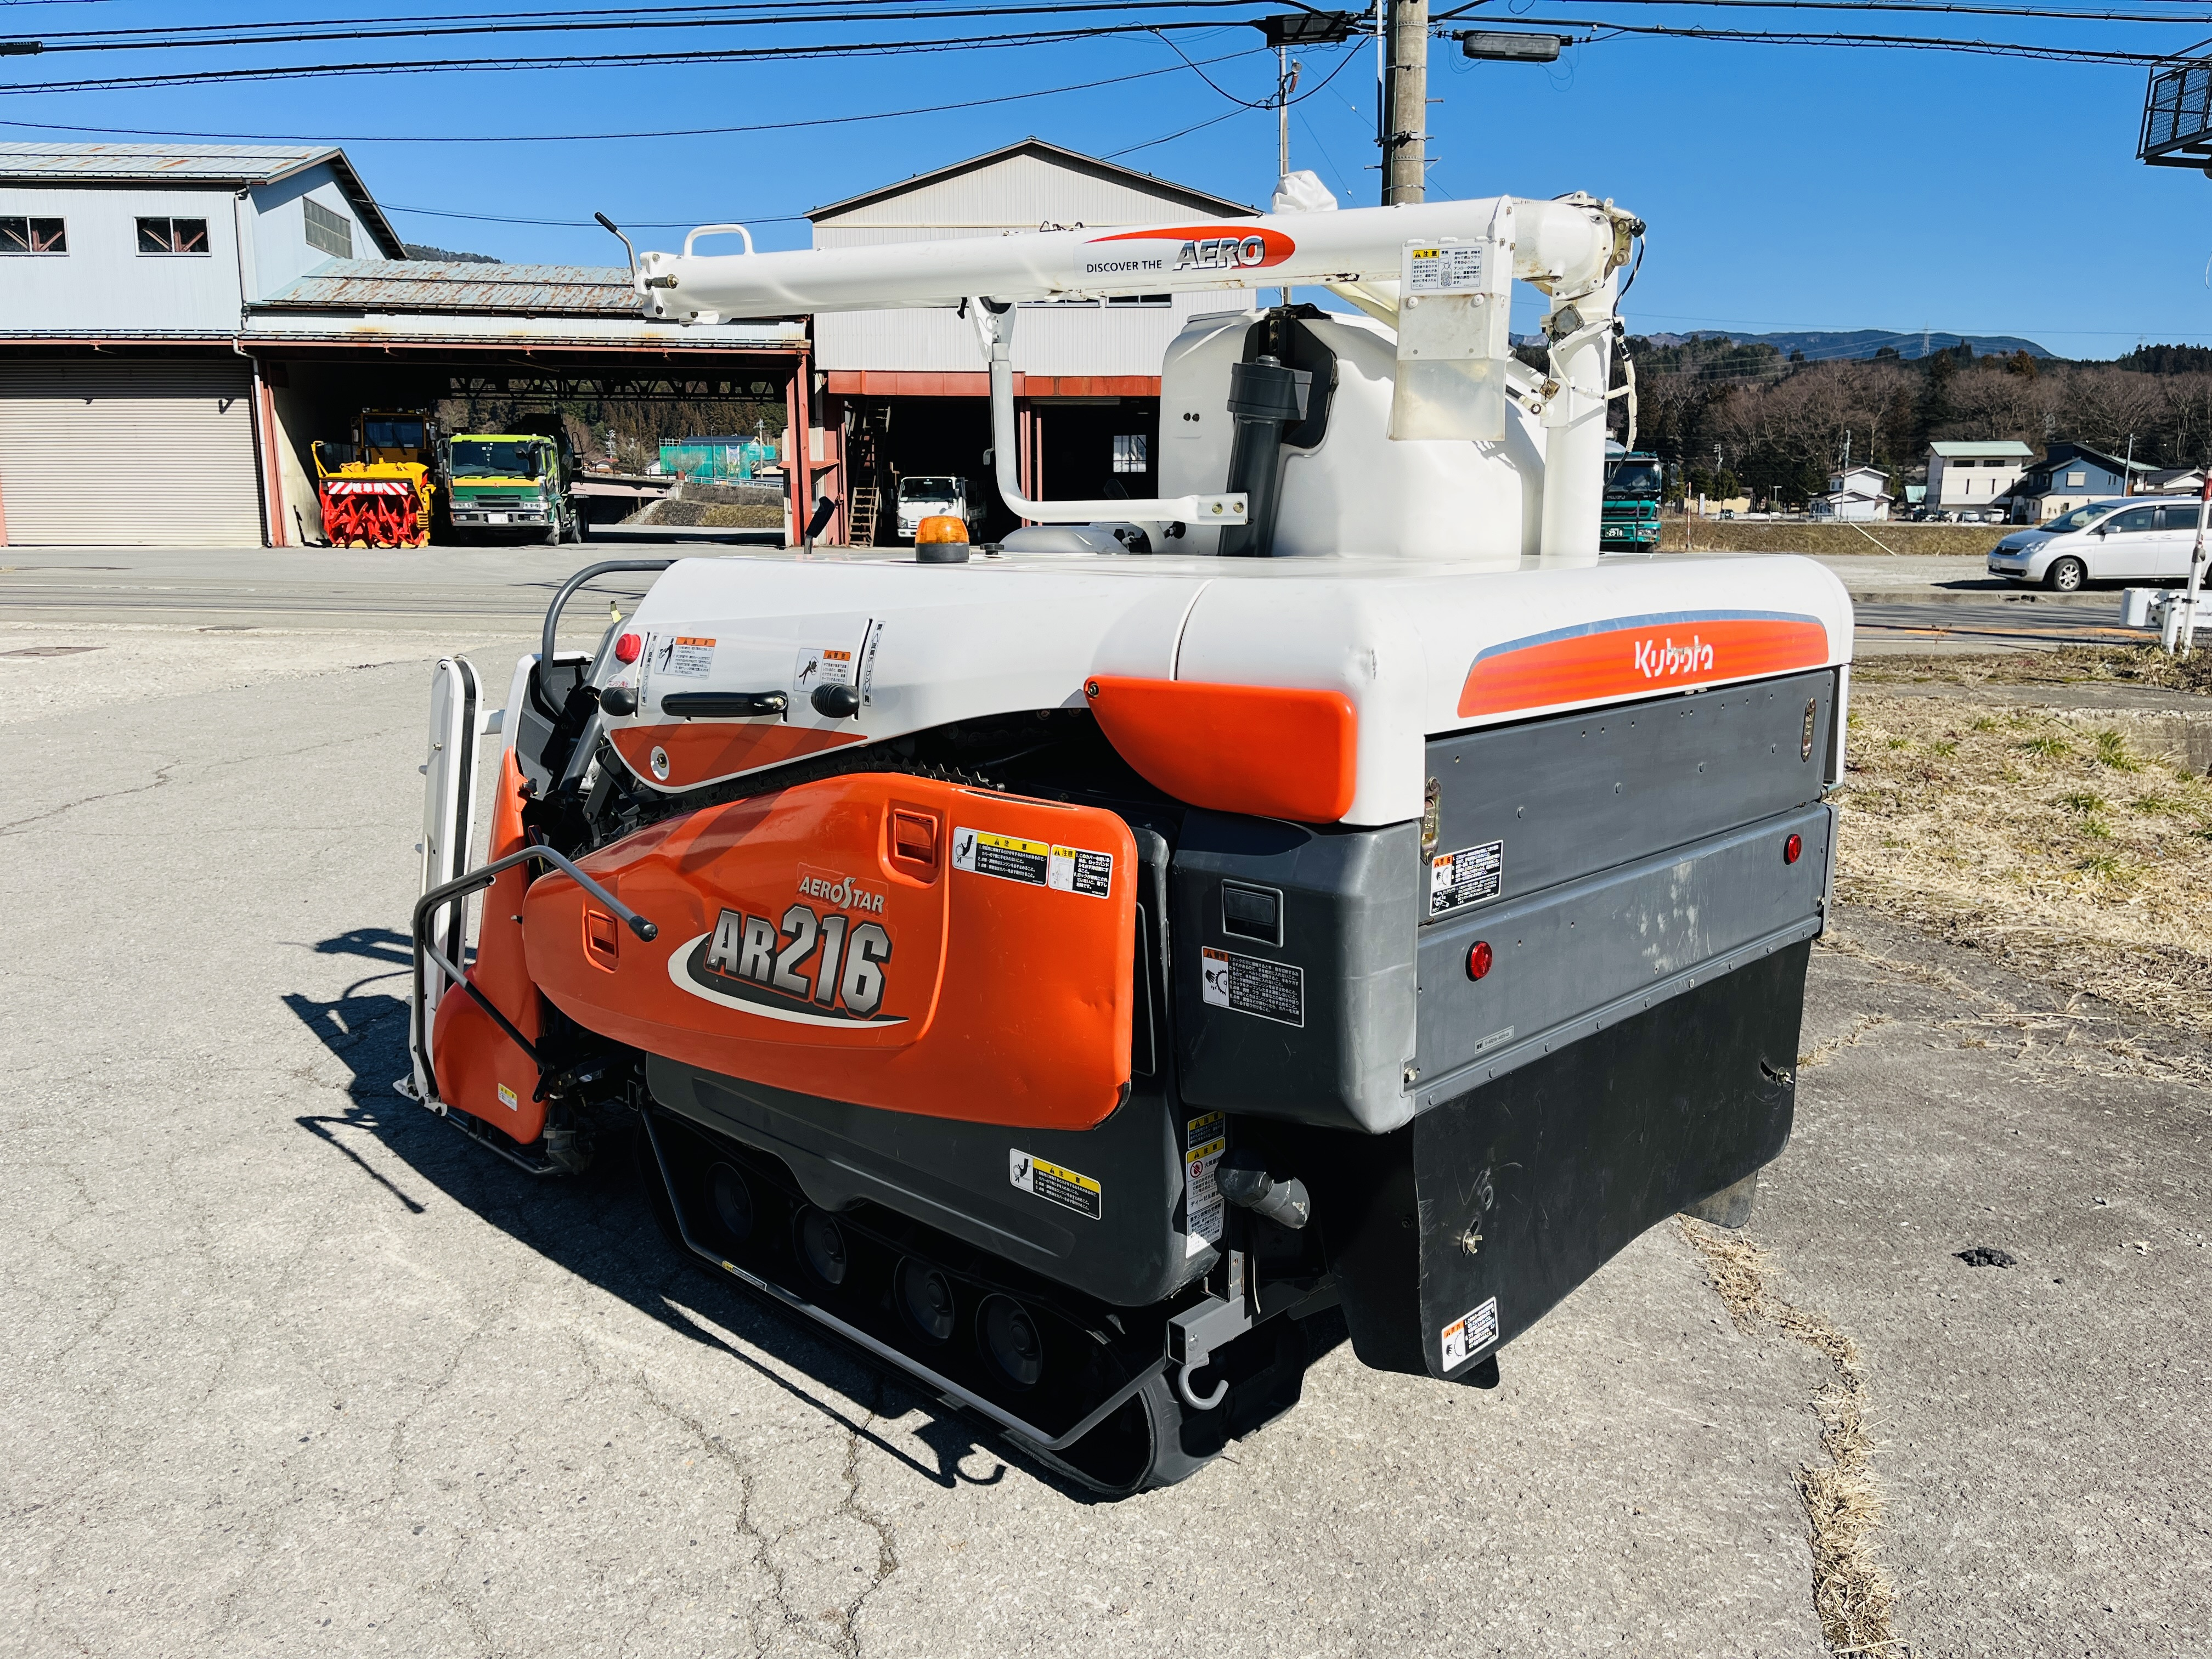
[460,887]
[718,230]
[553,619]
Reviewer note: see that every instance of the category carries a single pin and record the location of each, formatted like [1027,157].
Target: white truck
[928,496]
[1092,975]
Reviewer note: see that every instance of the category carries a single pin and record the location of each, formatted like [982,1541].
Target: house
[1855,493]
[179,323]
[908,390]
[1973,474]
[2173,481]
[2069,476]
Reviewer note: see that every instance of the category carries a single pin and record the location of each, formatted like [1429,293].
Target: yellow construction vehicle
[376,491]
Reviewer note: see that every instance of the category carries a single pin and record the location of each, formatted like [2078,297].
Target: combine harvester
[1090,973]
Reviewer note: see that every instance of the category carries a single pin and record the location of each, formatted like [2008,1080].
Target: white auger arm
[1439,273]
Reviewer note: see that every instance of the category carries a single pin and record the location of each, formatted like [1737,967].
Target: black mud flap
[1452,1235]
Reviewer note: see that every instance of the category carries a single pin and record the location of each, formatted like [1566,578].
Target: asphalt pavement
[293,1369]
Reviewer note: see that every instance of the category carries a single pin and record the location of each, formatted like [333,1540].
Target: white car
[2126,540]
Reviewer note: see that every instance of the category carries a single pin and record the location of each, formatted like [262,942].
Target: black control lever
[724,705]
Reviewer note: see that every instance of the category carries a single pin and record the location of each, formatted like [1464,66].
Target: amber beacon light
[940,527]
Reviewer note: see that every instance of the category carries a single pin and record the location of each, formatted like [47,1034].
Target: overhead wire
[598,60]
[779,14]
[597,137]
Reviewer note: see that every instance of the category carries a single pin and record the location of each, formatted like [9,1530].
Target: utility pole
[2128,470]
[1404,102]
[1286,83]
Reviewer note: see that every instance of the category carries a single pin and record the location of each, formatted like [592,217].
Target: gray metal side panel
[1568,962]
[1349,925]
[1581,793]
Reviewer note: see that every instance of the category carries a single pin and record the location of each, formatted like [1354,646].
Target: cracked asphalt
[291,1368]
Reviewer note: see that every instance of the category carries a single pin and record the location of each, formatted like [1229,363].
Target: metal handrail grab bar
[608,567]
[460,887]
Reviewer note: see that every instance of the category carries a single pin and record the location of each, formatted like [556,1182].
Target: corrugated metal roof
[440,285]
[202,163]
[2002,448]
[196,164]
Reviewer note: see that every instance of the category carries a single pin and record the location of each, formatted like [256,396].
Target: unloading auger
[1094,973]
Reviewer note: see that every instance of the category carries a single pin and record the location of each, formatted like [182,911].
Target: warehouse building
[183,322]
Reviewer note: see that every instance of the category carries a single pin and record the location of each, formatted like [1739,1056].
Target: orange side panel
[892,941]
[1270,751]
[480,1071]
[699,750]
[1637,656]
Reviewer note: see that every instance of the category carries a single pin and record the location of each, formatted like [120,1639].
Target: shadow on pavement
[600,1227]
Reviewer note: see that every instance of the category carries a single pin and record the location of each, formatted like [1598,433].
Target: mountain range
[1829,346]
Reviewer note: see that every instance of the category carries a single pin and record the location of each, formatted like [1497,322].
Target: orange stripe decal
[1630,656]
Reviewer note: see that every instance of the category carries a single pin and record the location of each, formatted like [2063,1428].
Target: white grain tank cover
[128,454]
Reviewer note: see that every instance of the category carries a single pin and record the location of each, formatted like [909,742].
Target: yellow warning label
[506,1098]
[1062,1185]
[1009,858]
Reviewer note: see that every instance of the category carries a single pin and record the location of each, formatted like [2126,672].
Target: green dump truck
[501,482]
[1633,484]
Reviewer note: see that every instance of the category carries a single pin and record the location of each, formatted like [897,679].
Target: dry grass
[2051,844]
[1805,536]
[1843,1501]
[2073,664]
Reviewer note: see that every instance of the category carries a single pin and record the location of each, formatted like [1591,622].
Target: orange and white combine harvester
[1094,972]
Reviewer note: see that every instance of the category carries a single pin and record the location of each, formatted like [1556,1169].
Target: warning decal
[687,658]
[1470,1334]
[1273,990]
[506,1098]
[1076,870]
[1009,858]
[821,664]
[1205,1138]
[1079,1193]
[1467,877]
[1448,270]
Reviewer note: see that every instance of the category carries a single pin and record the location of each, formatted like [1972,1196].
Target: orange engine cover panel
[887,940]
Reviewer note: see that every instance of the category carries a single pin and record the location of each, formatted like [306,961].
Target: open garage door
[125,453]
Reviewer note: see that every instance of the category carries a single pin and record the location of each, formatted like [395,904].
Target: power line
[1941,6]
[765,16]
[1878,42]
[598,137]
[601,60]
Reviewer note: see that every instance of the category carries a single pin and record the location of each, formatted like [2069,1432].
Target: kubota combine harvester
[1090,973]
[376,491]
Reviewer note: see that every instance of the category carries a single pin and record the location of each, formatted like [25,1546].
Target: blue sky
[1785,187]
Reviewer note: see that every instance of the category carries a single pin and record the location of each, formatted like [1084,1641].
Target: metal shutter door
[123,454]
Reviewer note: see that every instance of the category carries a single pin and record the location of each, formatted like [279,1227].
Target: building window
[2076,480]
[331,232]
[173,236]
[33,236]
[1130,453]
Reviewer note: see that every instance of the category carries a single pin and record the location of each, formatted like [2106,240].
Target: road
[293,1369]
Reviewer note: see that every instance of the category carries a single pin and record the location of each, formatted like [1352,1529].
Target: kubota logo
[1656,659]
[839,892]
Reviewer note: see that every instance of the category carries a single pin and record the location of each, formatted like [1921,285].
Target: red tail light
[1791,848]
[1479,960]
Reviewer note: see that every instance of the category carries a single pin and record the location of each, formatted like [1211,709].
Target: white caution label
[1205,1140]
[1447,269]
[1253,985]
[1470,1334]
[1009,858]
[1467,877]
[687,657]
[1063,1186]
[1074,870]
[821,665]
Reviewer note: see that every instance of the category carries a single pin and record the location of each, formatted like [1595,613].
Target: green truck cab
[506,482]
[1633,484]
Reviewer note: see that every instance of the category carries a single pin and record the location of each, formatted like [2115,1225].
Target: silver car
[2114,541]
